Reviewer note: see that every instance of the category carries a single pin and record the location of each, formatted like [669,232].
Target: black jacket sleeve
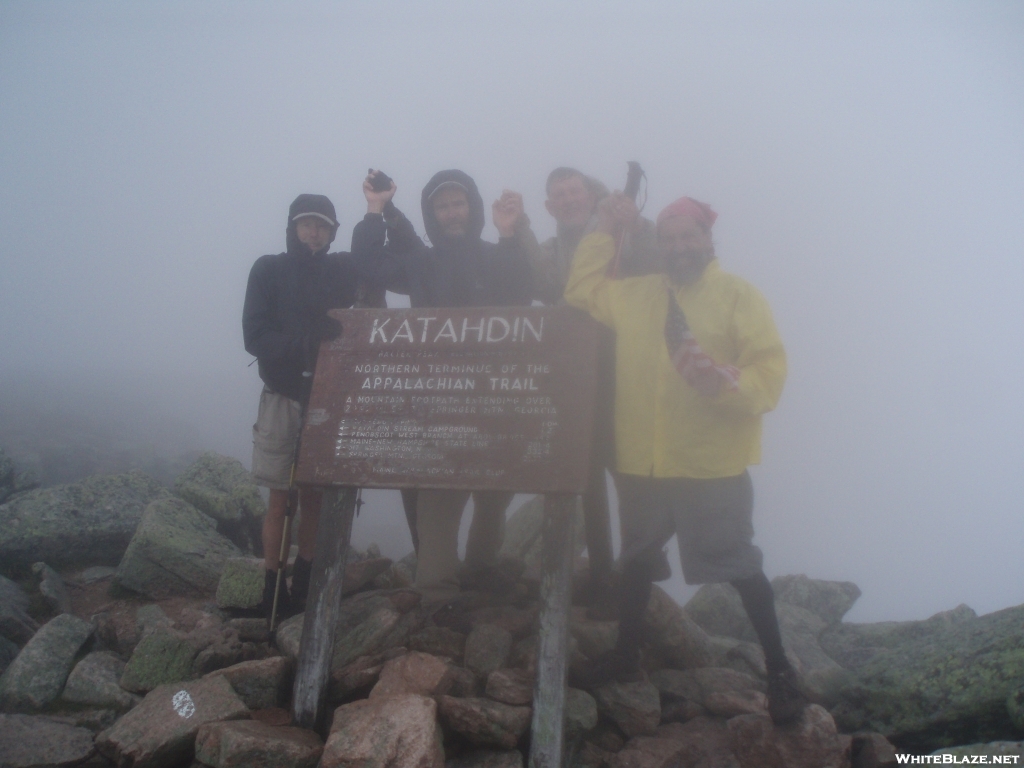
[513,281]
[387,262]
[366,258]
[260,338]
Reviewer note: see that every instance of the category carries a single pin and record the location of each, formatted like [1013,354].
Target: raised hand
[375,201]
[616,213]
[507,211]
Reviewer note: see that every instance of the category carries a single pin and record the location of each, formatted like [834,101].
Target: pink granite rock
[398,731]
[484,722]
[261,684]
[415,672]
[161,730]
[648,752]
[705,742]
[510,686]
[732,703]
[811,742]
[246,743]
[634,707]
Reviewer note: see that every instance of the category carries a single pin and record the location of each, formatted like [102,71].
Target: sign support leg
[556,592]
[318,626]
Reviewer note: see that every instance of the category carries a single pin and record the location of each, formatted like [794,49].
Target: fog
[866,160]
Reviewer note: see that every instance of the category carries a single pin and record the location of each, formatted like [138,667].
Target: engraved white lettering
[379,330]
[426,323]
[491,338]
[404,332]
[537,333]
[447,332]
[478,328]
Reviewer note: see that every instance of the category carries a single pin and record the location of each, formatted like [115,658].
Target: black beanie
[308,205]
[313,205]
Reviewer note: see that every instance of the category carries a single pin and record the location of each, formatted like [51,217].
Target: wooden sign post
[324,599]
[475,399]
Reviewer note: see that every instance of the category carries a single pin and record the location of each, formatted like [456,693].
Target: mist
[866,161]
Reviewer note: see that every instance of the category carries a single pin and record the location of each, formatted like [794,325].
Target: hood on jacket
[317,205]
[476,205]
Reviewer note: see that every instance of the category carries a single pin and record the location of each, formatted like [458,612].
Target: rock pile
[179,672]
[12,481]
[86,523]
[222,489]
[955,678]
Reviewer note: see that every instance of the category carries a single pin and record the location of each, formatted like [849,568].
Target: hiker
[572,200]
[698,362]
[459,269]
[283,322]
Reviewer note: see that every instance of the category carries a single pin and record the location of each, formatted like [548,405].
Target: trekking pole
[291,507]
[631,190]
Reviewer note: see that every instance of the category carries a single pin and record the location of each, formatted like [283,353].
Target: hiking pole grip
[634,174]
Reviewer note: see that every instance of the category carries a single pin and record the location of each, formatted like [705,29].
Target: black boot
[301,571]
[283,601]
[621,664]
[786,701]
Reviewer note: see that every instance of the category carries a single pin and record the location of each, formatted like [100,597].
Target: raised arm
[548,280]
[589,287]
[513,281]
[384,240]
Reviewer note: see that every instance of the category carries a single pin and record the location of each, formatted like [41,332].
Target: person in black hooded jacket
[459,269]
[284,319]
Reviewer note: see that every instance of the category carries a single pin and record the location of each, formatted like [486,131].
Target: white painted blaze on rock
[161,730]
[183,705]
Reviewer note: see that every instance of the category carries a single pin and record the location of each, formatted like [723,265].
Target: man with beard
[699,361]
[284,319]
[460,269]
[572,199]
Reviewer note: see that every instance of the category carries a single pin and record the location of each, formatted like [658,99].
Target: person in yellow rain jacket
[698,362]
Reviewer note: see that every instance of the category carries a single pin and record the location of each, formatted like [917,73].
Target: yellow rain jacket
[663,426]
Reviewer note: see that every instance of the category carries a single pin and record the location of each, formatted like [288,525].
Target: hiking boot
[283,601]
[786,702]
[612,666]
[301,571]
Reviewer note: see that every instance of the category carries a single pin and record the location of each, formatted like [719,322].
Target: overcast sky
[866,160]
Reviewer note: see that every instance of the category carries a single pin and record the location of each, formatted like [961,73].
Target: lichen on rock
[86,523]
[219,486]
[176,550]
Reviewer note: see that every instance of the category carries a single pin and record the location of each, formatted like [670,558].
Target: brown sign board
[495,398]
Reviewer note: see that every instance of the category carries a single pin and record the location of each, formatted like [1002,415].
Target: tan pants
[273,440]
[438,516]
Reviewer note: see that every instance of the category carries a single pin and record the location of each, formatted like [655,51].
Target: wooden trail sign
[461,398]
[493,398]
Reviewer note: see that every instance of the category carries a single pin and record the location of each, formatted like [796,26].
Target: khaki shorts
[273,440]
[712,519]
